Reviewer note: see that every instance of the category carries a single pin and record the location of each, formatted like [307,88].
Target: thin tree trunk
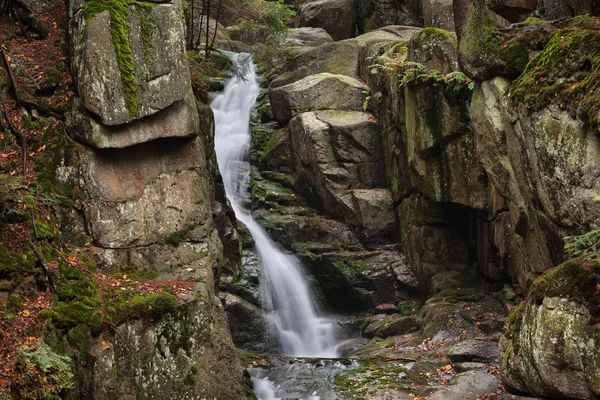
[206,49]
[460,9]
[190,38]
[219,7]
[198,39]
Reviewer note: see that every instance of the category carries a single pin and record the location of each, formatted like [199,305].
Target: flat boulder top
[345,118]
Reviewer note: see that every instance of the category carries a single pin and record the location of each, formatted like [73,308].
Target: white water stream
[285,295]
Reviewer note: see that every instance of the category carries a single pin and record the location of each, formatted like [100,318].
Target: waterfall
[285,295]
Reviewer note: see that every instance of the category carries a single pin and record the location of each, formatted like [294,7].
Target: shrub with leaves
[45,374]
[587,245]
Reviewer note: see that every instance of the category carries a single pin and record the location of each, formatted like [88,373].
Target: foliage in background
[255,20]
[587,245]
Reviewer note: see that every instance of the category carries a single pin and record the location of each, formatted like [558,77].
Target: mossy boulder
[338,168]
[187,353]
[566,72]
[129,62]
[550,348]
[141,50]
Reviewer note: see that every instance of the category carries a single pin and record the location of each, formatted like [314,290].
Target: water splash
[286,297]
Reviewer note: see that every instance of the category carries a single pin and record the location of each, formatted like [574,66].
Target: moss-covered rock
[550,347]
[144,70]
[482,54]
[566,72]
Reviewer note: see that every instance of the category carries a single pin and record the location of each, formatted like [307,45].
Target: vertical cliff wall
[146,167]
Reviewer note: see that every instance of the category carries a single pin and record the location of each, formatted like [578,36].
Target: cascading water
[285,294]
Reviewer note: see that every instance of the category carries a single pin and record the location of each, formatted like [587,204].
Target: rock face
[550,348]
[145,171]
[322,90]
[544,155]
[337,17]
[522,178]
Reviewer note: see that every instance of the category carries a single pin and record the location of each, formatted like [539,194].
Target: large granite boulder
[551,345]
[307,37]
[145,73]
[337,153]
[337,17]
[324,90]
[335,58]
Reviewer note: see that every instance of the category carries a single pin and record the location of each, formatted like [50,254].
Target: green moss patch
[22,263]
[125,305]
[77,300]
[351,266]
[436,33]
[264,140]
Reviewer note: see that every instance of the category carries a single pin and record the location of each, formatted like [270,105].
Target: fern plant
[587,245]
